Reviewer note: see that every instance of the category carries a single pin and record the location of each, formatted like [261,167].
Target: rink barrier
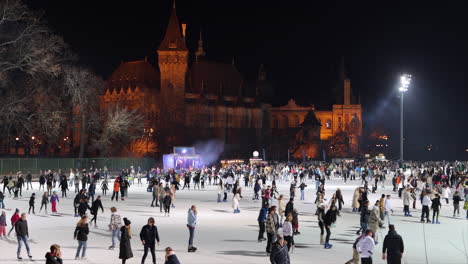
[34,165]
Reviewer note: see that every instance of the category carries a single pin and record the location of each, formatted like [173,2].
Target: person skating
[125,246]
[32,201]
[83,207]
[2,198]
[406,196]
[271,226]
[44,202]
[3,225]
[235,203]
[364,219]
[167,203]
[456,203]
[54,256]
[81,235]
[281,209]
[22,235]
[115,193]
[393,246]
[436,206]
[155,191]
[64,186]
[149,236]
[170,257]
[191,224]
[77,201]
[365,247]
[375,221]
[288,232]
[14,218]
[320,216]
[426,201]
[114,226]
[302,187]
[279,252]
[53,201]
[262,215]
[328,220]
[104,186]
[95,209]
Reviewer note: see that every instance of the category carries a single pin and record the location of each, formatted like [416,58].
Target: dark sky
[301,43]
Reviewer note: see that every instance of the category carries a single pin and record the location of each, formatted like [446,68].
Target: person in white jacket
[445,193]
[235,203]
[365,247]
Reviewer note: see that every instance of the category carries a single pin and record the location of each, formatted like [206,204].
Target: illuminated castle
[187,98]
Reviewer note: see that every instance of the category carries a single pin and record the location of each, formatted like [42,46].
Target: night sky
[301,44]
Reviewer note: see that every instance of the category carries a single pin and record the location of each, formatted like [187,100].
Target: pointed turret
[200,52]
[173,39]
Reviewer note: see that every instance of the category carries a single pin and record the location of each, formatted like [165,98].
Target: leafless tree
[83,87]
[26,43]
[120,127]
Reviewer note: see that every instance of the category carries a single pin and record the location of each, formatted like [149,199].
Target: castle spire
[173,39]
[200,52]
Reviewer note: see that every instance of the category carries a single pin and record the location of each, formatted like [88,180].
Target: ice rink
[224,237]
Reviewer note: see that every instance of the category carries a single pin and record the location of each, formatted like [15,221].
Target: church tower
[172,61]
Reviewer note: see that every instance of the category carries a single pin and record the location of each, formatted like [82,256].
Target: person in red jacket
[14,218]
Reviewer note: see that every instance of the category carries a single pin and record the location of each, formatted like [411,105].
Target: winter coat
[32,200]
[51,259]
[356,194]
[330,217]
[21,228]
[374,219]
[262,215]
[95,207]
[279,254]
[125,247]
[116,221]
[149,234]
[289,208]
[235,201]
[167,200]
[83,207]
[393,244]
[445,192]
[3,220]
[272,223]
[281,206]
[81,232]
[406,197]
[191,218]
[172,259]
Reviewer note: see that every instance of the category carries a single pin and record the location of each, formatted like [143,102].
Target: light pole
[405,81]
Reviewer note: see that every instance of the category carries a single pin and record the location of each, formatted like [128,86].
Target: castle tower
[172,60]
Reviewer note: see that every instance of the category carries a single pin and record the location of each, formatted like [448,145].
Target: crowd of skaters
[426,182]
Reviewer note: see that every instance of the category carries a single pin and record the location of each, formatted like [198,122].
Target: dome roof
[133,73]
[213,77]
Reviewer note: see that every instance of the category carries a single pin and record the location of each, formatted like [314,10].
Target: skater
[365,247]
[2,197]
[364,219]
[445,193]
[44,202]
[125,246]
[171,257]
[149,236]
[328,220]
[14,218]
[393,246]
[271,225]
[53,201]
[456,203]
[320,216]
[279,252]
[22,235]
[375,221]
[92,190]
[64,186]
[104,186]
[262,215]
[3,225]
[54,256]
[28,181]
[115,193]
[191,224]
[235,203]
[32,201]
[83,207]
[155,191]
[114,226]
[388,209]
[288,232]
[436,206]
[219,191]
[81,235]
[95,209]
[77,200]
[406,201]
[167,203]
[281,209]
[302,187]
[425,201]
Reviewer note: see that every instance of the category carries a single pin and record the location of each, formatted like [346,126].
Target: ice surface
[224,237]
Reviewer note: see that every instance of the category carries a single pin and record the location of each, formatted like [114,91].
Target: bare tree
[83,87]
[26,43]
[120,127]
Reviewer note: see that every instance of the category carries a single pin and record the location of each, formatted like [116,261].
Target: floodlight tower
[405,81]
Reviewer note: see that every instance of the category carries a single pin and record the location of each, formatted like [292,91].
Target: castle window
[340,124]
[173,44]
[328,124]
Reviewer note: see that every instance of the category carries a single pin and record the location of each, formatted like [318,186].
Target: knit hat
[126,221]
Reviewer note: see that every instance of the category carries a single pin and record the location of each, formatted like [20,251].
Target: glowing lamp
[255,153]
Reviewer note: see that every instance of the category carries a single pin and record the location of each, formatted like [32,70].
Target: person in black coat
[289,207]
[31,203]
[328,220]
[148,236]
[81,234]
[83,207]
[125,246]
[171,257]
[279,252]
[393,246]
[95,208]
[54,256]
